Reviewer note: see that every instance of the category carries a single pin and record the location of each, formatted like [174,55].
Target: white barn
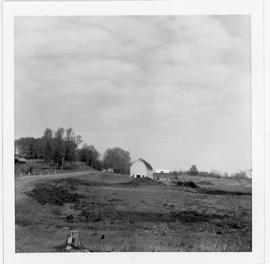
[141,168]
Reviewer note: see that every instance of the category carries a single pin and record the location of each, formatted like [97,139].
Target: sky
[174,90]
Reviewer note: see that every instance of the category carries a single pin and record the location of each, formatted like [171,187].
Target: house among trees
[19,159]
[141,168]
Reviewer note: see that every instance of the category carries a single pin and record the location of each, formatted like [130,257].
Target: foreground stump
[73,241]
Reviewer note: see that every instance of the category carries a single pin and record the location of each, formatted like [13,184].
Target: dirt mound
[205,183]
[142,181]
[189,184]
[57,195]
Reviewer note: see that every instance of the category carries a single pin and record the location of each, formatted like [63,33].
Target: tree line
[62,145]
[193,171]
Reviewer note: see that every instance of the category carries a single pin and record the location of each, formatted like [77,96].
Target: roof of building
[20,159]
[148,166]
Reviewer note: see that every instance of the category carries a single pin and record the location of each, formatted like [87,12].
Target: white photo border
[254,8]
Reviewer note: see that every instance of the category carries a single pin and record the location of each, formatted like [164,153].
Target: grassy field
[116,213]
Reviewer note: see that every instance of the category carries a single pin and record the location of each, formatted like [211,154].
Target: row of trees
[193,171]
[63,145]
[54,146]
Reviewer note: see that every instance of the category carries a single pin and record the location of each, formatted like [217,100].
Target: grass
[112,216]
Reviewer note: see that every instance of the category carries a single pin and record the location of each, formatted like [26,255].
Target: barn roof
[148,166]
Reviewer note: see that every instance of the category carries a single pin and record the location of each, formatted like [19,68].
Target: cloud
[138,77]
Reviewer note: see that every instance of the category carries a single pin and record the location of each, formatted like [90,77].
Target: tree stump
[73,240]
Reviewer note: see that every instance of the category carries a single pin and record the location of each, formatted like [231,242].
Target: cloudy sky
[174,90]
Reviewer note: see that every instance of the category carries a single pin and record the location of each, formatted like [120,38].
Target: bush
[240,175]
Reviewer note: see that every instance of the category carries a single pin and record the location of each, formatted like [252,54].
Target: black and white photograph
[132,133]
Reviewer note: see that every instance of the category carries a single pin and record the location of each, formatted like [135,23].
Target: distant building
[141,168]
[108,170]
[18,159]
[162,171]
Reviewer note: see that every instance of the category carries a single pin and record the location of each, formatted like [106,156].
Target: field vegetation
[114,212]
[73,187]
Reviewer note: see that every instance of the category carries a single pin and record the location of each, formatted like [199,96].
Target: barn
[141,168]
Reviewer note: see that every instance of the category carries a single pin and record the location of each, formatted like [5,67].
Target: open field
[115,213]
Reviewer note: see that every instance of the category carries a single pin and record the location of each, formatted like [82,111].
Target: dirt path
[25,182]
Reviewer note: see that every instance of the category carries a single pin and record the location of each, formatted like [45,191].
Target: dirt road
[24,183]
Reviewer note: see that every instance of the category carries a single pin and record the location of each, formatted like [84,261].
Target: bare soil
[142,181]
[51,194]
[189,184]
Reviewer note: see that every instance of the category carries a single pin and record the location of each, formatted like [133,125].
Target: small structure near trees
[19,160]
[162,171]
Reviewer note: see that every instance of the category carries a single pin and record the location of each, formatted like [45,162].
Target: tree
[98,164]
[38,148]
[59,147]
[65,145]
[89,155]
[193,170]
[78,141]
[29,147]
[48,151]
[24,147]
[70,145]
[117,159]
[240,175]
[225,174]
